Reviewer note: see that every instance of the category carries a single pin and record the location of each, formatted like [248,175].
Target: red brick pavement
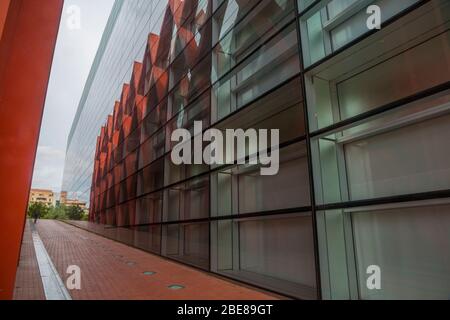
[111,270]
[28,280]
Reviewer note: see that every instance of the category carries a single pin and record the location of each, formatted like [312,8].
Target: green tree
[57,213]
[74,213]
[42,208]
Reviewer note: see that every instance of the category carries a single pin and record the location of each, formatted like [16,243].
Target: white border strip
[54,287]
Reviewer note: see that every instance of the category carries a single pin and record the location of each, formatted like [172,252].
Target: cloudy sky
[75,51]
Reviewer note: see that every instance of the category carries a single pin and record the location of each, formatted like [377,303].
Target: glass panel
[189,200]
[315,38]
[190,87]
[195,45]
[275,62]
[336,255]
[276,252]
[267,18]
[151,178]
[193,19]
[334,24]
[185,117]
[339,92]
[124,235]
[176,173]
[409,245]
[426,58]
[229,14]
[149,209]
[408,160]
[154,121]
[188,243]
[280,110]
[303,4]
[148,238]
[244,190]
[356,24]
[152,149]
[396,153]
[337,7]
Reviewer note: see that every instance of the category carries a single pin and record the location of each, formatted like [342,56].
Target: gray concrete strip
[54,287]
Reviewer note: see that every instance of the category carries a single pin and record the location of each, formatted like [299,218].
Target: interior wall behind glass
[411,247]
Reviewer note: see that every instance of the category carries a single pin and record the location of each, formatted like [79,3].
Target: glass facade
[363,117]
[124,41]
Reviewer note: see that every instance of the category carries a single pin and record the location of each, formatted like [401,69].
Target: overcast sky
[75,51]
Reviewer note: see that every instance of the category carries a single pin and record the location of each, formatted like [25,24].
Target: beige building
[75,203]
[46,197]
[71,202]
[63,197]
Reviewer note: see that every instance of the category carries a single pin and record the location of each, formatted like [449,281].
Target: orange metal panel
[4,5]
[26,51]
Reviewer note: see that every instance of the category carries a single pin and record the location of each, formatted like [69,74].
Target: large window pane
[389,63]
[149,209]
[275,62]
[188,243]
[267,18]
[189,200]
[243,189]
[408,160]
[148,238]
[152,149]
[184,117]
[333,24]
[396,153]
[276,252]
[411,247]
[151,178]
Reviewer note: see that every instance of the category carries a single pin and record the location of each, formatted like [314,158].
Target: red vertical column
[28,37]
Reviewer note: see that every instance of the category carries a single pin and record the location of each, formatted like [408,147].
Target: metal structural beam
[28,30]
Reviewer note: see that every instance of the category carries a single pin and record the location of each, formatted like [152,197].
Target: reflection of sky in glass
[74,52]
[231,14]
[180,119]
[127,43]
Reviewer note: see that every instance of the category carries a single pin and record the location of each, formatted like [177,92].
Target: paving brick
[28,280]
[105,273]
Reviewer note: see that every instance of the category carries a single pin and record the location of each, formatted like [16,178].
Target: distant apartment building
[63,200]
[75,203]
[363,189]
[43,196]
[63,197]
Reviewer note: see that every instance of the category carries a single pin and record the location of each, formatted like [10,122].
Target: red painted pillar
[28,30]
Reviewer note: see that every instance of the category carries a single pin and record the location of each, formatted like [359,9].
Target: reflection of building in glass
[46,197]
[364,179]
[63,197]
[63,200]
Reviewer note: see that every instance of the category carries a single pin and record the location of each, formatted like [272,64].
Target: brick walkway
[28,280]
[111,270]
